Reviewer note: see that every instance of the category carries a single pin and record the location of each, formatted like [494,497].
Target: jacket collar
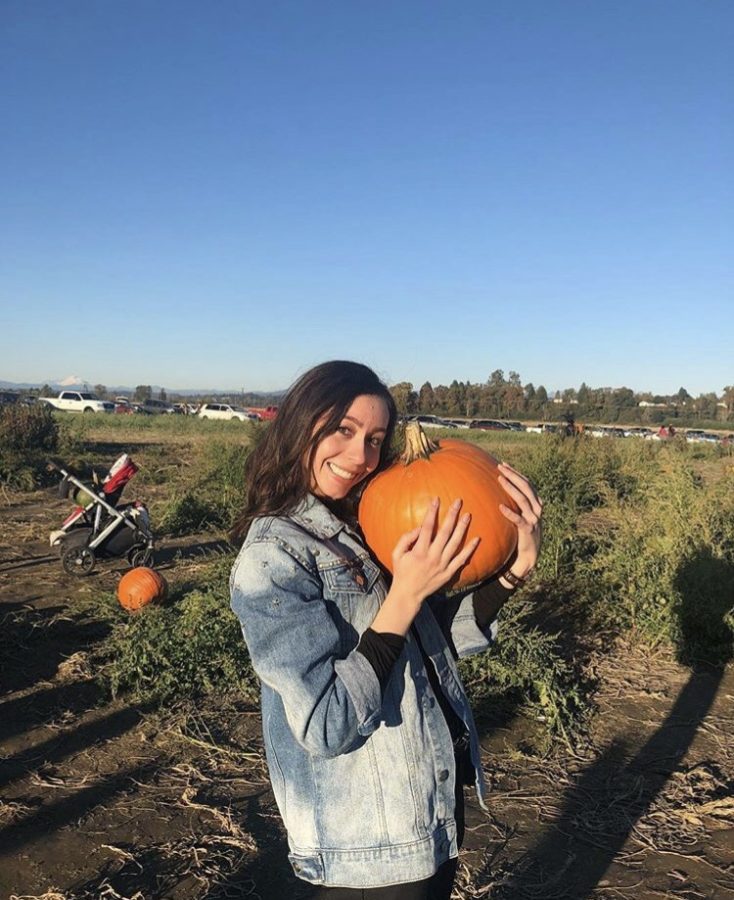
[312,515]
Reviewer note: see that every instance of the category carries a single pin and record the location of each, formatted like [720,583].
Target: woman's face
[347,456]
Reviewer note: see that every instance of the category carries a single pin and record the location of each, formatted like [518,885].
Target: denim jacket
[364,782]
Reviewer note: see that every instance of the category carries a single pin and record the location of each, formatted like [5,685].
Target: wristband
[515,580]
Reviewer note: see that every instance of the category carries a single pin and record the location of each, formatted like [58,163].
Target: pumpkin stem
[417,444]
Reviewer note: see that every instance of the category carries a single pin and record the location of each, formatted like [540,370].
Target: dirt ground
[101,799]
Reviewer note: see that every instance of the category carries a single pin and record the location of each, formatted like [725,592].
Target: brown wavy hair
[277,471]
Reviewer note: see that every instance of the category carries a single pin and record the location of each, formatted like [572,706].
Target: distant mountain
[75,382]
[17,385]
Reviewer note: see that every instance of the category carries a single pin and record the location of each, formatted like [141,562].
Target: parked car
[695,436]
[459,423]
[264,413]
[226,411]
[78,401]
[606,431]
[432,422]
[638,432]
[489,425]
[157,407]
[515,426]
[8,397]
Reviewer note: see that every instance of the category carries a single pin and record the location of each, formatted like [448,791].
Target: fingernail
[434,502]
[456,504]
[466,518]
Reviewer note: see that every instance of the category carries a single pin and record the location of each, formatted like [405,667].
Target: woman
[368,734]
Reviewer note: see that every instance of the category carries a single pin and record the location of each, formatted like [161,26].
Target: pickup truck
[78,401]
[264,413]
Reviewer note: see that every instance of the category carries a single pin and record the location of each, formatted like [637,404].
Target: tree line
[503,397]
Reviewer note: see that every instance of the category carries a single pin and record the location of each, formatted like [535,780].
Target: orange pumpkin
[396,501]
[140,586]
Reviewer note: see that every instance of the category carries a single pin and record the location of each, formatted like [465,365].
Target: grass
[665,567]
[638,540]
[167,428]
[187,647]
[28,436]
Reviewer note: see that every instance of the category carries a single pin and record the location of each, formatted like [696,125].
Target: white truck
[78,401]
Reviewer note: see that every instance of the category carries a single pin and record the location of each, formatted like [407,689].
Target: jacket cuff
[363,686]
[468,636]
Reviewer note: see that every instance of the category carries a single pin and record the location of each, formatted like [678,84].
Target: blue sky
[223,194]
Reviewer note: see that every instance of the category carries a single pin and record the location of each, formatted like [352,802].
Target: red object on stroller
[119,475]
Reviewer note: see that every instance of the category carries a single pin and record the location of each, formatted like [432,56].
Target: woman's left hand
[527,520]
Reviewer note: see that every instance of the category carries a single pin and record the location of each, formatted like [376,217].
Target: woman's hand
[422,564]
[527,521]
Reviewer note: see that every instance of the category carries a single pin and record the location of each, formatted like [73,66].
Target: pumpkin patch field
[131,761]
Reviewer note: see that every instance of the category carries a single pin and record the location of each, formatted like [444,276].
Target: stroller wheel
[78,560]
[140,556]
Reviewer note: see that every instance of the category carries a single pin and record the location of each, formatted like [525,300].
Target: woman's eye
[376,442]
[344,429]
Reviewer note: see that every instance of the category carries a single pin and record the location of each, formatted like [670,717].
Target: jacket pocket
[355,576]
[349,800]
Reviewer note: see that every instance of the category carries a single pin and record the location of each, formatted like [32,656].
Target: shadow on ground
[37,639]
[601,809]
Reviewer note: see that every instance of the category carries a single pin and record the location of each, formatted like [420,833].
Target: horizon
[232,195]
[66,384]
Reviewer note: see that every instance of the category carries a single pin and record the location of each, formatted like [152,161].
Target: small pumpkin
[141,586]
[396,501]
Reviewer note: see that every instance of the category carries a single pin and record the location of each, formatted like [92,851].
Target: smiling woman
[360,689]
[282,468]
[352,452]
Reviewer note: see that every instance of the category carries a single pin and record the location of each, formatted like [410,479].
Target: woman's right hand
[423,564]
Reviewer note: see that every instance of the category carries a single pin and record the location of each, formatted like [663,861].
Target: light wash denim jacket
[364,783]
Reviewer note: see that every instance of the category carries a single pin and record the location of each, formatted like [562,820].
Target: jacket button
[443,774]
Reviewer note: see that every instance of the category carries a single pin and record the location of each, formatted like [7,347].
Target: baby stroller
[100,529]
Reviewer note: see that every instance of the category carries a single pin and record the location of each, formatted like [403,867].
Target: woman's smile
[342,473]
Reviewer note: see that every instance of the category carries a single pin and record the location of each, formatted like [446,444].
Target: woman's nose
[358,453]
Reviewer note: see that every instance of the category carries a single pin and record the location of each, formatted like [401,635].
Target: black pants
[437,887]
